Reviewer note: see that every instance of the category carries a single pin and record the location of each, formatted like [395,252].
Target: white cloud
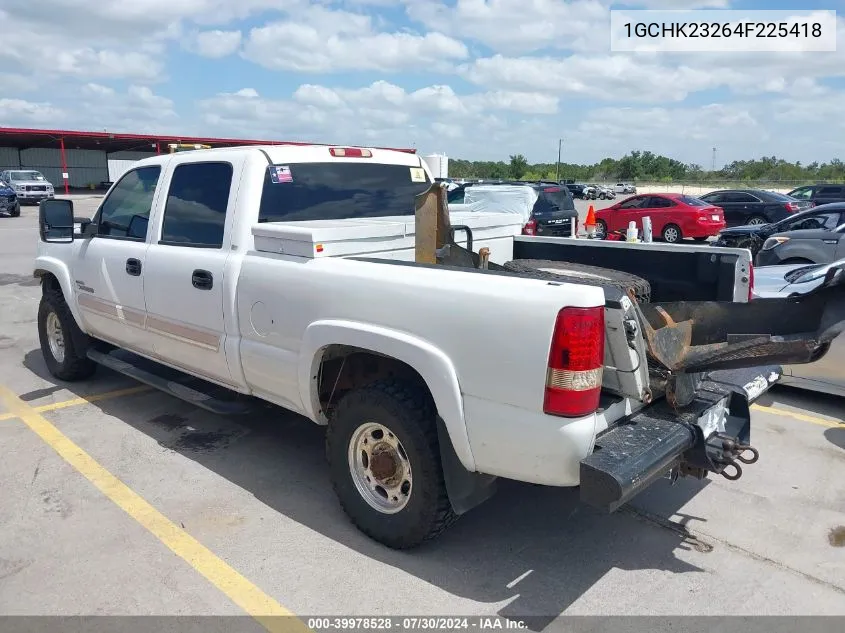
[138,109]
[318,40]
[607,77]
[515,27]
[93,39]
[18,112]
[439,99]
[381,113]
[214,44]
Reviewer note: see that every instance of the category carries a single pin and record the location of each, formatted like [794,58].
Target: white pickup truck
[334,283]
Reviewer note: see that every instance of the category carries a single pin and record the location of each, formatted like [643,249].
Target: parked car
[777,282]
[624,187]
[9,200]
[754,206]
[29,185]
[577,190]
[806,246]
[603,192]
[819,194]
[827,216]
[582,191]
[547,208]
[674,216]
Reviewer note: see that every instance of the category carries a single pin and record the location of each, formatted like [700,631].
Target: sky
[474,79]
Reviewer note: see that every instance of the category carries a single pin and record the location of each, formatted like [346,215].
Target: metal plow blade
[697,336]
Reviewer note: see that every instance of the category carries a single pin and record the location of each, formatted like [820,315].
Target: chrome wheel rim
[380,468]
[600,232]
[670,235]
[756,221]
[55,337]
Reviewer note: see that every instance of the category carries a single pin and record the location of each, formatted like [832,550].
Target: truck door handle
[202,279]
[133,267]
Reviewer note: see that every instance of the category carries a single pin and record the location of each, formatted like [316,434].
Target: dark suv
[553,214]
[819,194]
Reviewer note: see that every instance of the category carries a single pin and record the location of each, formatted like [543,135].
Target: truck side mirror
[55,220]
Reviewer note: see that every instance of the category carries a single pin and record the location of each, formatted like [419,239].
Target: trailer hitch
[725,451]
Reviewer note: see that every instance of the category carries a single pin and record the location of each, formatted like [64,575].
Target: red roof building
[74,159]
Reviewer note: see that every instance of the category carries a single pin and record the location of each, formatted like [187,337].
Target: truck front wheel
[63,344]
[384,459]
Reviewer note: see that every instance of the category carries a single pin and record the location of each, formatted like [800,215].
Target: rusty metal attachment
[435,235]
[697,336]
[484,256]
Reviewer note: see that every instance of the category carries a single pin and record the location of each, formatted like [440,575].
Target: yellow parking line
[240,590]
[83,400]
[798,416]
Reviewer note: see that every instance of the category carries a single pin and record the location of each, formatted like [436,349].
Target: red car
[674,216]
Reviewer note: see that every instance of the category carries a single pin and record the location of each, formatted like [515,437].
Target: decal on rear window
[280,174]
[417,174]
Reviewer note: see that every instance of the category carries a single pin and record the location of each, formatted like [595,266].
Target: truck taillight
[351,152]
[750,281]
[576,360]
[530,228]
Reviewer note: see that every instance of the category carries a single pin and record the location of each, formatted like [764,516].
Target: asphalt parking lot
[120,500]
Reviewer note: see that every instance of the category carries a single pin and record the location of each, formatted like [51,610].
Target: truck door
[185,286]
[109,271]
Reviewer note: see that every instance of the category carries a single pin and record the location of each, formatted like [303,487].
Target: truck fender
[432,364]
[50,265]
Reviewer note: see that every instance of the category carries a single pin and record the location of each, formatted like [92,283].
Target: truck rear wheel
[384,460]
[63,344]
[583,274]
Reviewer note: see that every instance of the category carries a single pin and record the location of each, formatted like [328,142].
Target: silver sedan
[827,374]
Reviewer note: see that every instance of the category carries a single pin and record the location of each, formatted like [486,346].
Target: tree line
[649,167]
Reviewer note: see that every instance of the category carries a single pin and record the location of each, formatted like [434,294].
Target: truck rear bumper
[711,434]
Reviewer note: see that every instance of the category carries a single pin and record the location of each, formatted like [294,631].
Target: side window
[819,221]
[632,203]
[195,212]
[804,193]
[456,196]
[660,203]
[830,192]
[740,197]
[712,198]
[126,210]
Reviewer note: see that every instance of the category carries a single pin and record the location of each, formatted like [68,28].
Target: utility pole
[714,159]
[559,144]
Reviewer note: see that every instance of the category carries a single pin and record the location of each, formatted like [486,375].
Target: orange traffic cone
[590,222]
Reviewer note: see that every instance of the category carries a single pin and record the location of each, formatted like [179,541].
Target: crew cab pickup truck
[440,351]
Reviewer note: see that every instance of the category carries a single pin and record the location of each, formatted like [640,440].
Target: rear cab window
[340,190]
[553,199]
[694,202]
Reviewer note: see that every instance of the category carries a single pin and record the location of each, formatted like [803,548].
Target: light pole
[559,144]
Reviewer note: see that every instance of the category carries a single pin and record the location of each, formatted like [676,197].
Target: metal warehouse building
[91,160]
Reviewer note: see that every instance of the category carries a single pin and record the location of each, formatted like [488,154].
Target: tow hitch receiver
[695,336]
[711,434]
